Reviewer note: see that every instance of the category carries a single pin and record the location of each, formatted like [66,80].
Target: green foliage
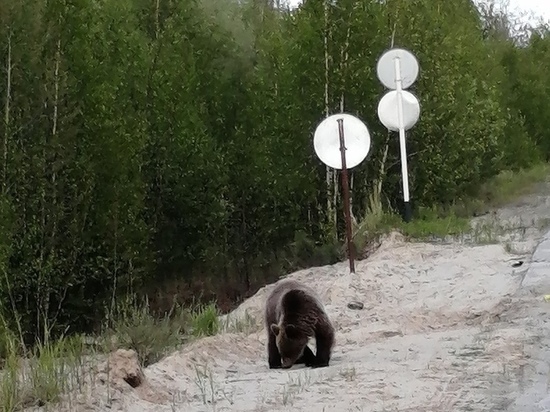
[47,376]
[453,220]
[510,184]
[427,223]
[10,392]
[150,143]
[50,370]
[205,321]
[306,252]
[431,223]
[135,327]
[8,341]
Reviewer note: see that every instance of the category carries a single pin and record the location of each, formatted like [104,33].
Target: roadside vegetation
[156,160]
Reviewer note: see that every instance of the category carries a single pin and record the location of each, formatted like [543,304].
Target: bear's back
[274,300]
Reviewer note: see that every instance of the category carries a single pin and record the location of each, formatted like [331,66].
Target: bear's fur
[293,314]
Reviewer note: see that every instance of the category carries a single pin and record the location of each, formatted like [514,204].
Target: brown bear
[293,314]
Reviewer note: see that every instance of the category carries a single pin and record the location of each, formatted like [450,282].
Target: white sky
[539,8]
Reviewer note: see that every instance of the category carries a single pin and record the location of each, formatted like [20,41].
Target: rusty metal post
[345,189]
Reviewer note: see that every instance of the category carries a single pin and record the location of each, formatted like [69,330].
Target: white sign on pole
[399,110]
[409,68]
[326,141]
[389,115]
[342,141]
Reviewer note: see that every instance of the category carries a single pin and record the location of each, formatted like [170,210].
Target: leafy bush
[135,327]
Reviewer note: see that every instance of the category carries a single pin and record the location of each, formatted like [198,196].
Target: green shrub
[204,320]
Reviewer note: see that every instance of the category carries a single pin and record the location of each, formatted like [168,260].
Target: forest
[164,148]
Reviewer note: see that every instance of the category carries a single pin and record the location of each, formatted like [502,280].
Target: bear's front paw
[320,365]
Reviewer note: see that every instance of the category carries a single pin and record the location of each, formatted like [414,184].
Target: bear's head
[290,341]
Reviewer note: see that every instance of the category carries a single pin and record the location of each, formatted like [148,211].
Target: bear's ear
[275,329]
[292,331]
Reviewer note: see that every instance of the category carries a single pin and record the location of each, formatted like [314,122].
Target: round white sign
[326,141]
[385,68]
[388,110]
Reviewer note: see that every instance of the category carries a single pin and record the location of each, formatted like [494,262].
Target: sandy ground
[445,327]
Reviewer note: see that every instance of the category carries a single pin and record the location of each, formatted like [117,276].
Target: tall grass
[43,376]
[454,219]
[133,326]
[51,370]
[509,185]
[205,320]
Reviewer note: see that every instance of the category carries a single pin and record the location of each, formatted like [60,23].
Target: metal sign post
[345,190]
[342,141]
[402,143]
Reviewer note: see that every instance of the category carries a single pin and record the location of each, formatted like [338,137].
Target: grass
[204,320]
[509,185]
[50,371]
[294,386]
[134,327]
[210,391]
[9,383]
[455,220]
[245,324]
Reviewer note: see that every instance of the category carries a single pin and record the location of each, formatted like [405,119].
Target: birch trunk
[330,175]
[54,125]
[44,254]
[157,19]
[7,109]
[115,260]
[40,300]
[5,148]
[374,205]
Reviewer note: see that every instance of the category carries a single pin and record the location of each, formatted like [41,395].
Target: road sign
[398,69]
[385,68]
[389,114]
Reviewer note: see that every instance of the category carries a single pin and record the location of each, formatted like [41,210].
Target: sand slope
[423,341]
[445,327]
